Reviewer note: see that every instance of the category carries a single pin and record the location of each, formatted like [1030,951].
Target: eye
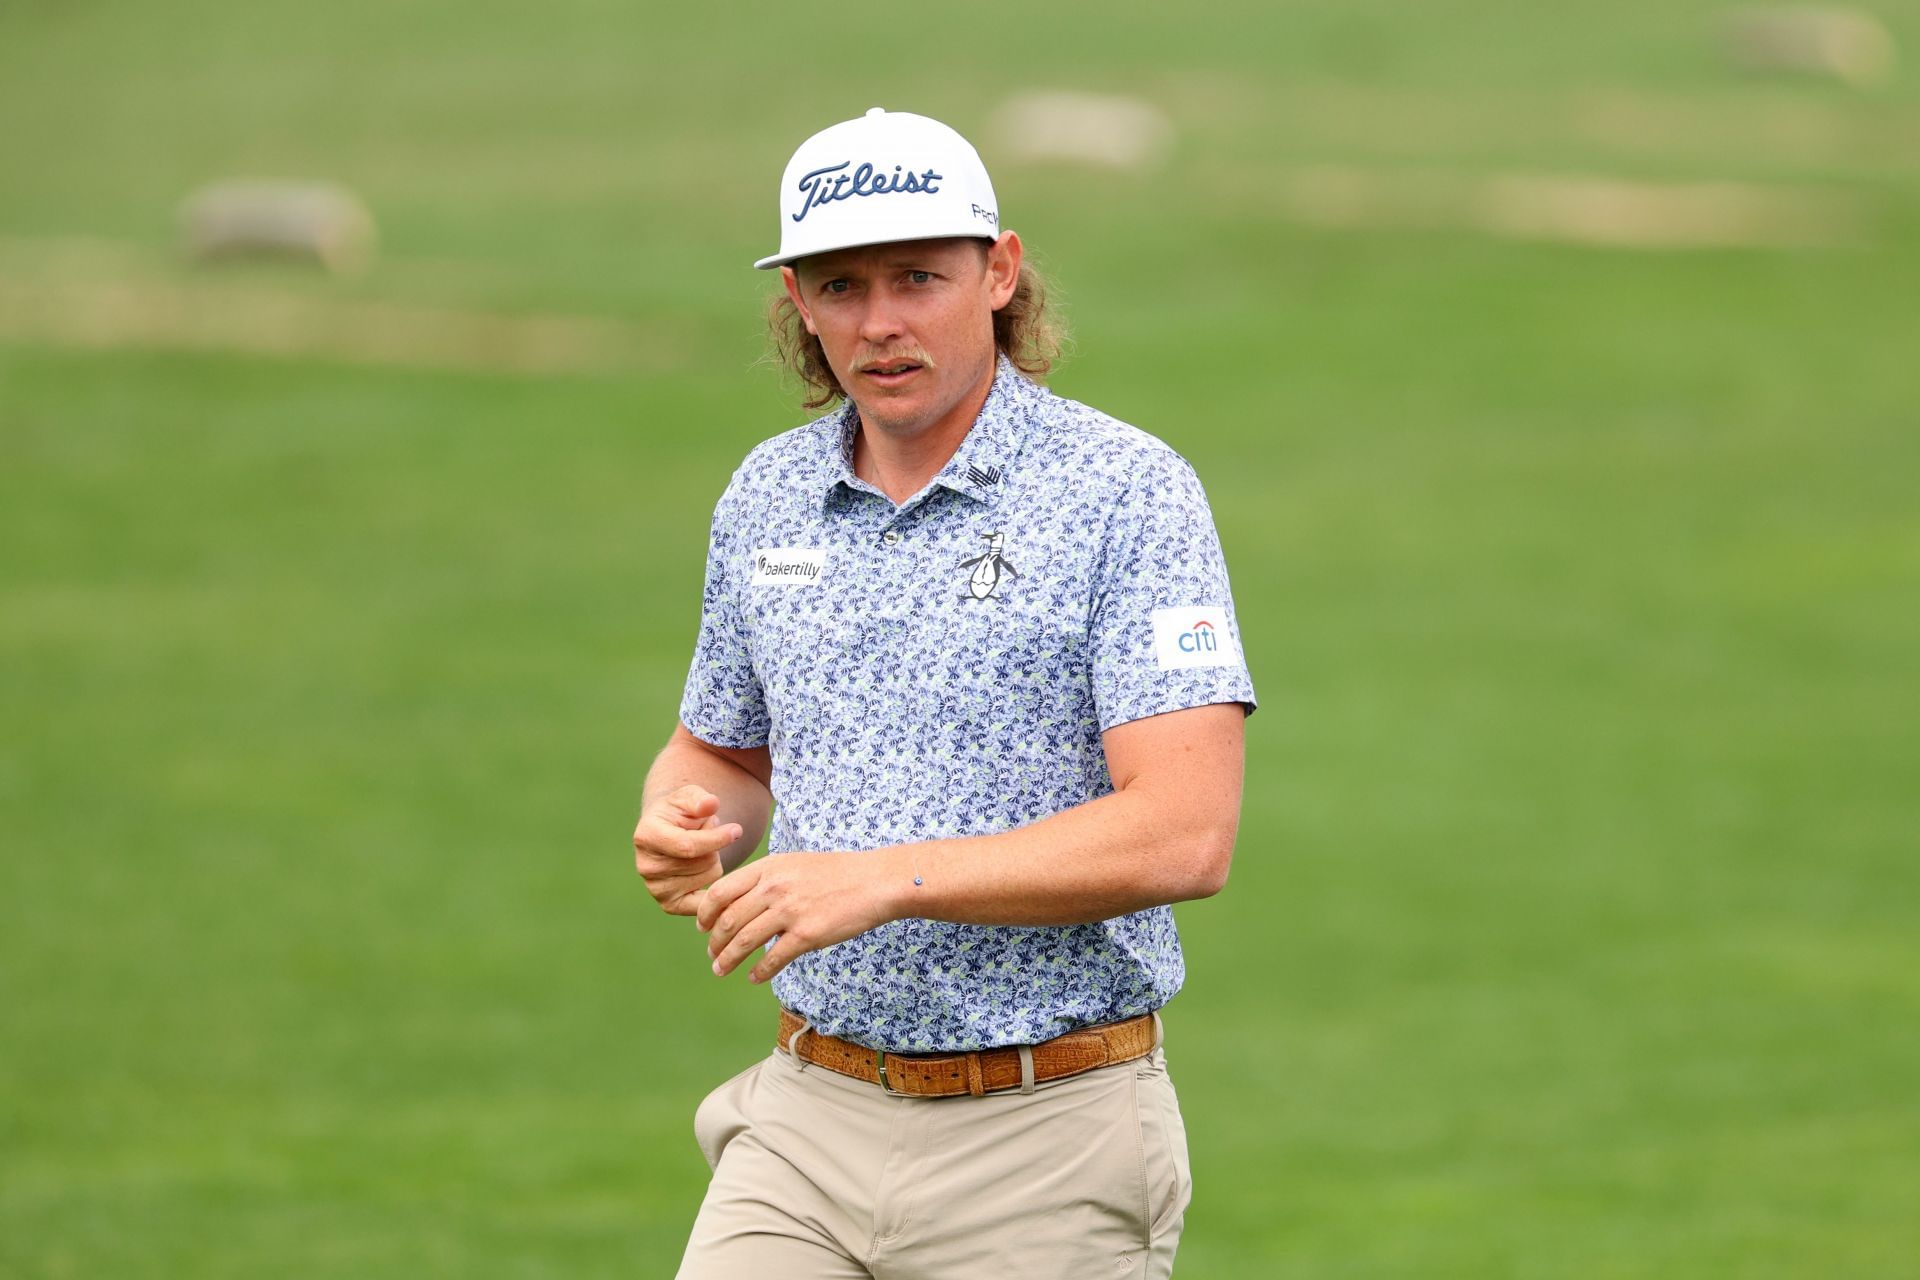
[920,277]
[835,286]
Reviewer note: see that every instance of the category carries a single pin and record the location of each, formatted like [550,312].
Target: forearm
[1164,834]
[743,798]
[1119,853]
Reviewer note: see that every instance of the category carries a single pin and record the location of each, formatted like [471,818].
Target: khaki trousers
[817,1176]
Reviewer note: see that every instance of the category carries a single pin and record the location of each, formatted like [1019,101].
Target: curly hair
[1029,334]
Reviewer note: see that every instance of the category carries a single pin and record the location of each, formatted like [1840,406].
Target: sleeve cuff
[720,731]
[1178,697]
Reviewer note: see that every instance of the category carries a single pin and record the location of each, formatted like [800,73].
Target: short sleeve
[1164,634]
[723,703]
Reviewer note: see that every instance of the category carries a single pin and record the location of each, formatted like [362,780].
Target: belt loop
[1026,1068]
[1159,1031]
[793,1044]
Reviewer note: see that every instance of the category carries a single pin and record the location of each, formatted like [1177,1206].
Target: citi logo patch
[1194,636]
[788,566]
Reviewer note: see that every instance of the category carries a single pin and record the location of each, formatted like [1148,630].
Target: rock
[1082,128]
[1846,44]
[316,221]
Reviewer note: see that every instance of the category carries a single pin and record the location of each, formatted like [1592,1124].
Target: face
[908,327]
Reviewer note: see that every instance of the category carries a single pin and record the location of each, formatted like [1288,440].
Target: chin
[895,415]
[900,409]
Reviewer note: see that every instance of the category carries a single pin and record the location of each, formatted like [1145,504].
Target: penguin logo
[988,570]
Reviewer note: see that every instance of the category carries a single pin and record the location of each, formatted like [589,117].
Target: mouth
[890,373]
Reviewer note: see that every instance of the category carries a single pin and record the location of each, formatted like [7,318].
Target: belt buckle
[880,1065]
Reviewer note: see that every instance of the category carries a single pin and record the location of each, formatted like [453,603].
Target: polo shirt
[944,668]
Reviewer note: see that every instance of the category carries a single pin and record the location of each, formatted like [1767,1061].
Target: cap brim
[782,260]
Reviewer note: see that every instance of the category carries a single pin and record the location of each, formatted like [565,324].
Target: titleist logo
[819,188]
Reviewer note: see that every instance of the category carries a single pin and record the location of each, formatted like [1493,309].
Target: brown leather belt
[942,1075]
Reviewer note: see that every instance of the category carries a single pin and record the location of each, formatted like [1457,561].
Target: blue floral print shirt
[945,668]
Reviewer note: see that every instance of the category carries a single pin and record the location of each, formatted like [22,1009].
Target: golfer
[969,647]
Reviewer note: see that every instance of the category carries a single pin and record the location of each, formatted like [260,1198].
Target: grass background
[1573,926]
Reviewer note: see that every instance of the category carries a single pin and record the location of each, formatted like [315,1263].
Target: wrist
[900,897]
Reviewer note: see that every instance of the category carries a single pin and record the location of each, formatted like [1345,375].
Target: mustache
[897,355]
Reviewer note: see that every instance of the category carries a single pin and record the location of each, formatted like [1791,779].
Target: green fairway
[1574,928]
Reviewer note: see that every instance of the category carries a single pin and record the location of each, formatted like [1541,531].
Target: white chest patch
[1193,636]
[788,566]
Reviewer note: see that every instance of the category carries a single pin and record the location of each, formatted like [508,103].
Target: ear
[792,283]
[1003,269]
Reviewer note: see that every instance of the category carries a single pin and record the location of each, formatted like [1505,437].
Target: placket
[891,546]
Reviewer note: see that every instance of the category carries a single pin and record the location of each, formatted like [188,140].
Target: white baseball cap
[889,175]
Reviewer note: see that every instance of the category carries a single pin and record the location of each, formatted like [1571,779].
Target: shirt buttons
[891,537]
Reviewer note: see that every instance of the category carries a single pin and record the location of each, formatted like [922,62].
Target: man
[970,646]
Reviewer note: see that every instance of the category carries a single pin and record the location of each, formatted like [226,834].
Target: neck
[900,461]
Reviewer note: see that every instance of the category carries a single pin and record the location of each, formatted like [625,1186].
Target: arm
[703,810]
[1165,834]
[704,806]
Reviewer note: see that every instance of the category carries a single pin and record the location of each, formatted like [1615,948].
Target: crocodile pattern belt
[941,1075]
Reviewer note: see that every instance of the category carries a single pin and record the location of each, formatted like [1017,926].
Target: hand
[811,900]
[677,844]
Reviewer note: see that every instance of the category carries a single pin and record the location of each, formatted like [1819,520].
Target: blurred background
[367,376]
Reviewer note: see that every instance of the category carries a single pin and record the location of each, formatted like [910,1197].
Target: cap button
[876,111]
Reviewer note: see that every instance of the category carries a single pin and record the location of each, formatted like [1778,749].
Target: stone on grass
[1845,44]
[1081,128]
[316,222]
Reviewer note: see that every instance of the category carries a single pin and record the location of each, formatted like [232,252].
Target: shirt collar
[978,468]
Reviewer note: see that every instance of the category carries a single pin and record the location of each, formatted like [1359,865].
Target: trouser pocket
[1163,1146]
[722,1114]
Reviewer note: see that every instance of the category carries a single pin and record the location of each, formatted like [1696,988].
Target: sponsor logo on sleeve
[788,566]
[1193,636]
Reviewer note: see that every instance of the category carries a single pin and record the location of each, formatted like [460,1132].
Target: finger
[684,902]
[707,840]
[682,842]
[681,902]
[653,864]
[752,936]
[692,801]
[727,890]
[729,921]
[671,889]
[670,875]
[781,954]
[680,895]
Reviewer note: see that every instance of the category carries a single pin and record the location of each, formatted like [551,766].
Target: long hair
[1025,330]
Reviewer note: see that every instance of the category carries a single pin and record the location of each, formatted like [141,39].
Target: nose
[881,323]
